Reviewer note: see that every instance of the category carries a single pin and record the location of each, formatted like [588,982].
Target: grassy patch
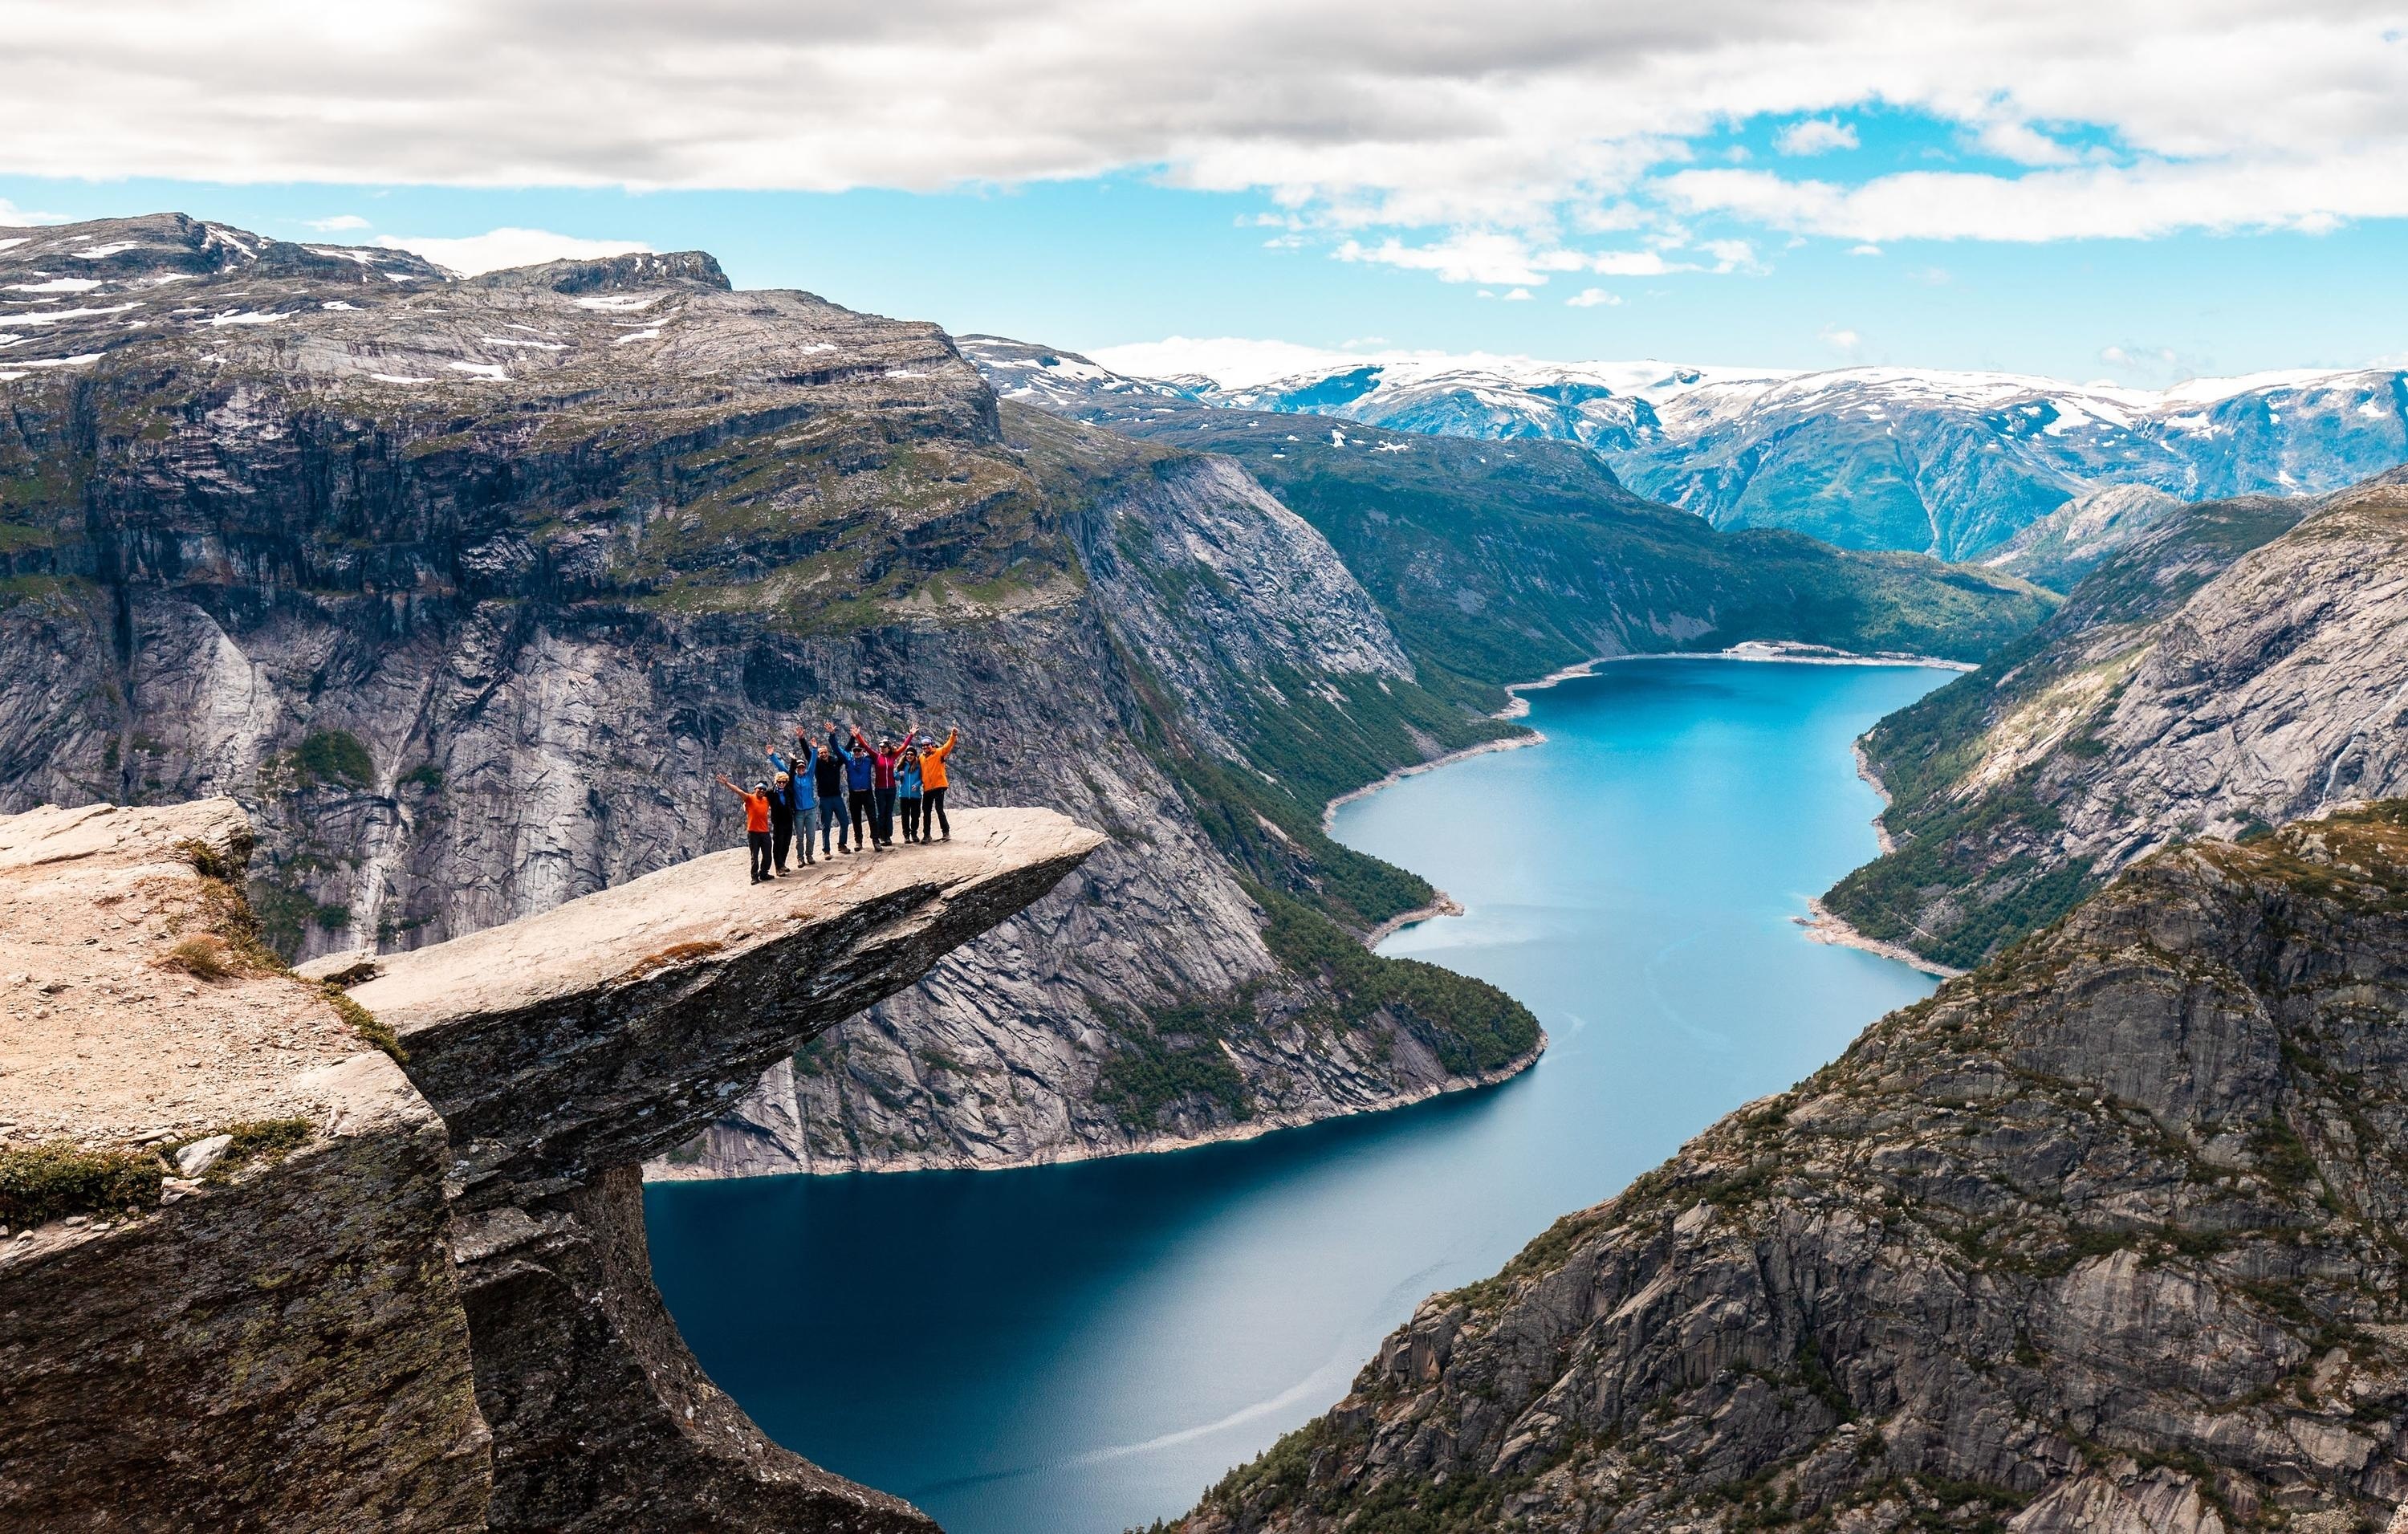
[1471,1025]
[203,957]
[50,1182]
[254,1141]
[1175,1057]
[364,1023]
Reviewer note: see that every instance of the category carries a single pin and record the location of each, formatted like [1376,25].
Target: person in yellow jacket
[932,783]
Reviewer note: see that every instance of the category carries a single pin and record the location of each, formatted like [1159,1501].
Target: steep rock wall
[2237,665]
[464,589]
[2107,1237]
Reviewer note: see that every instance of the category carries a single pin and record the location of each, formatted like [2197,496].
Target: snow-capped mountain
[1946,462]
[1065,382]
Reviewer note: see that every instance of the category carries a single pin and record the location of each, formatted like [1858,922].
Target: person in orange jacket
[932,783]
[756,824]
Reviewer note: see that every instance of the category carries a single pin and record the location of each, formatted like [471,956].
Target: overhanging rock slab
[168,1366]
[610,1030]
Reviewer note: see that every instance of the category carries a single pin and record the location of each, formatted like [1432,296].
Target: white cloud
[1864,250]
[1629,263]
[1591,298]
[339,223]
[1420,120]
[1518,296]
[1842,340]
[13,216]
[2022,143]
[1471,256]
[1731,255]
[1815,136]
[2091,202]
[498,248]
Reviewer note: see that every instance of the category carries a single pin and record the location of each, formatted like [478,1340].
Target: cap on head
[761,787]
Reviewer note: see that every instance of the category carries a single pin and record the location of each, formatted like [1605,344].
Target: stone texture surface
[2107,1236]
[2215,674]
[289,1352]
[416,1295]
[102,1036]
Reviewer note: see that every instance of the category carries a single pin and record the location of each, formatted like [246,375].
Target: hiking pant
[912,817]
[781,830]
[932,814]
[760,841]
[831,813]
[865,816]
[886,814]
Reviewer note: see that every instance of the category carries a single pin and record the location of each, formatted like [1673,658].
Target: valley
[1949,463]
[449,596]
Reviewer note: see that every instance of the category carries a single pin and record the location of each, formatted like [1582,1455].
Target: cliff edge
[280,1253]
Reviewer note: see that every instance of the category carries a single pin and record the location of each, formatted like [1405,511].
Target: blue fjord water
[1073,1350]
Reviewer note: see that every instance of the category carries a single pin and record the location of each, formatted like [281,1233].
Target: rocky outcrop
[2236,666]
[2108,1236]
[465,588]
[2077,538]
[406,1291]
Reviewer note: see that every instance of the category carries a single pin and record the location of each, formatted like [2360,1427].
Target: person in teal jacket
[908,790]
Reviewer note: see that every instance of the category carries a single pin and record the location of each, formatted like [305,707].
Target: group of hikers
[856,786]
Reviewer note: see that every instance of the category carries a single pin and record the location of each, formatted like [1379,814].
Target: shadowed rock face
[294,1343]
[2107,1237]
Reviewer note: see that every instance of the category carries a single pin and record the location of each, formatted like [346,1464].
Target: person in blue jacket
[790,800]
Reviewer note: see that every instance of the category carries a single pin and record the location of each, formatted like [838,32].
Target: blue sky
[2114,189]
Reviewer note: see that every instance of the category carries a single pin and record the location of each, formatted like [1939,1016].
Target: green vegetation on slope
[1973,870]
[1498,561]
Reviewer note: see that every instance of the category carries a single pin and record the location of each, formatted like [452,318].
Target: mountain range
[466,588]
[1950,463]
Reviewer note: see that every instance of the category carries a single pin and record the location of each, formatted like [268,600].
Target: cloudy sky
[2097,189]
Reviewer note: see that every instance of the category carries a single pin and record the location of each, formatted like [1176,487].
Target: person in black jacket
[788,791]
[827,782]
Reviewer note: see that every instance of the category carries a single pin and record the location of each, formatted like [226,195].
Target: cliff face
[2236,666]
[2106,1237]
[465,588]
[403,1289]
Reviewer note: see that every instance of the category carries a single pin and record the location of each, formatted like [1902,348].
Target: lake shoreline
[664,1171]
[1143,1321]
[1825,925]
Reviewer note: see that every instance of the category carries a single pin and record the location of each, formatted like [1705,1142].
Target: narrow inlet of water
[1079,1349]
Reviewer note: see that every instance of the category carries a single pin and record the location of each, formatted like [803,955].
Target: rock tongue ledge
[437,1313]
